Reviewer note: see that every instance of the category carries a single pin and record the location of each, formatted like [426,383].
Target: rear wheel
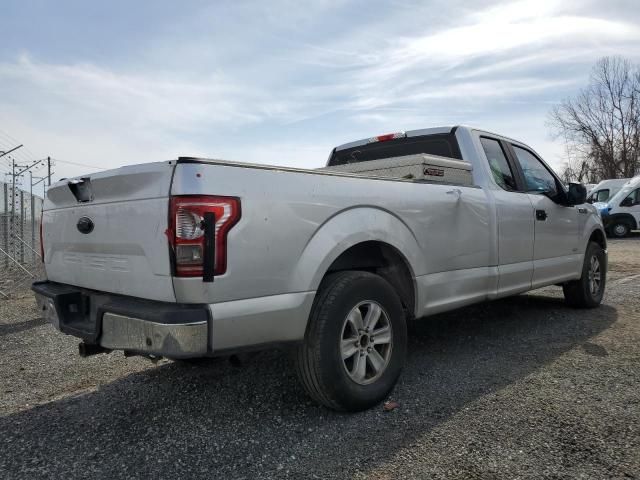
[355,344]
[587,292]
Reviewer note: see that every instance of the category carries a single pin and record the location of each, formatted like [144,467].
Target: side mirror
[627,202]
[577,194]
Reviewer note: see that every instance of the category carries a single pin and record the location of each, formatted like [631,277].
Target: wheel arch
[364,238]
[623,217]
[598,236]
[384,260]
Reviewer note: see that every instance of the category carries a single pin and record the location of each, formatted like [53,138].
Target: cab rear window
[444,145]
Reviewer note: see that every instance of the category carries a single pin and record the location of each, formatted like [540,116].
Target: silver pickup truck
[194,257]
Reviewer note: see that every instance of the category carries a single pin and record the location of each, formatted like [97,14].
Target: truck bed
[284,214]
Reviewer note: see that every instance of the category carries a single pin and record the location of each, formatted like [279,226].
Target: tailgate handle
[209,255]
[81,189]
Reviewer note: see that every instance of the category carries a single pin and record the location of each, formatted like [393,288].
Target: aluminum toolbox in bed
[416,167]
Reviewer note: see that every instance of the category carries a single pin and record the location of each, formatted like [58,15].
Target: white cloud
[502,33]
[146,100]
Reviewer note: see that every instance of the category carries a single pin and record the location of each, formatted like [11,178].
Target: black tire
[579,293]
[619,229]
[319,362]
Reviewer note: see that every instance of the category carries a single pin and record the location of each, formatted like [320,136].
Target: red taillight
[41,240]
[187,231]
[387,136]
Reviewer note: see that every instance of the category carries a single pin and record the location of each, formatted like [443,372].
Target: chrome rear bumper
[116,322]
[120,332]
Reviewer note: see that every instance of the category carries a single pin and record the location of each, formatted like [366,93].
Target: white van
[622,212]
[606,189]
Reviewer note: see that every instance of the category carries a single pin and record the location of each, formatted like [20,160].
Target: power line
[77,164]
[24,151]
[2,154]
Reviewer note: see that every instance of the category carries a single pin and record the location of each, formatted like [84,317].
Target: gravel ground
[517,388]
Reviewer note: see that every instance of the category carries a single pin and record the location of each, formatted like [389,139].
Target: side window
[602,195]
[536,176]
[498,163]
[633,198]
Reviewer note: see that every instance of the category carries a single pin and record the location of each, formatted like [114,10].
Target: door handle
[541,215]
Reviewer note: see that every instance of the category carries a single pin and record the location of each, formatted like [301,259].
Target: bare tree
[601,125]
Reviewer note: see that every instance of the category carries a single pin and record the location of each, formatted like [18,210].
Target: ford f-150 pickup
[195,257]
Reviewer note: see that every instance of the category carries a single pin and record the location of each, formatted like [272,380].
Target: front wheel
[588,290]
[355,345]
[620,229]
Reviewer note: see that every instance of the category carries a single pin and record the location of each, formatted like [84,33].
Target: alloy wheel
[595,276]
[366,342]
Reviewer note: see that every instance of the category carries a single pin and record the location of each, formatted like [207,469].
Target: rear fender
[346,229]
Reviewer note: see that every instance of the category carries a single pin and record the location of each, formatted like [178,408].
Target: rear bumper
[117,322]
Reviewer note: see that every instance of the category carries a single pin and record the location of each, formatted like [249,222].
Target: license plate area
[74,313]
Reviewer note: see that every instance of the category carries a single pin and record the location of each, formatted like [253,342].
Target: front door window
[536,175]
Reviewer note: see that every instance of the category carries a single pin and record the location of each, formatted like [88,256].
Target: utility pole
[33,216]
[13,183]
[14,174]
[5,221]
[13,233]
[33,184]
[49,170]
[21,226]
[12,219]
[44,184]
[33,213]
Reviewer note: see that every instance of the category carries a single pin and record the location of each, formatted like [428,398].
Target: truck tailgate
[106,231]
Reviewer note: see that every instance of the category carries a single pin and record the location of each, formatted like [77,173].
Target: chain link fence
[20,262]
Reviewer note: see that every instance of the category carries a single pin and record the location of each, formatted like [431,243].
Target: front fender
[346,229]
[592,224]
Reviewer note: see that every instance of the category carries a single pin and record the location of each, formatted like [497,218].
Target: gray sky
[110,83]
